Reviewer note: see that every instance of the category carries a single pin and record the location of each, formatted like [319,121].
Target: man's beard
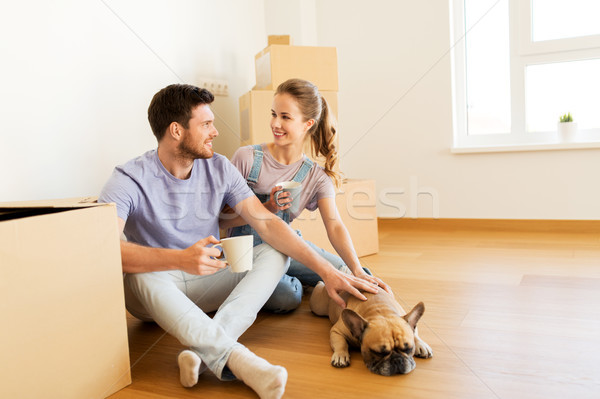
[192,150]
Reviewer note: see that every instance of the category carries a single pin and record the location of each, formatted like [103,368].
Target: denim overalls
[288,293]
[253,179]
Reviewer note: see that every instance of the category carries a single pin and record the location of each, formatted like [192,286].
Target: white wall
[297,18]
[396,124]
[75,84]
[76,79]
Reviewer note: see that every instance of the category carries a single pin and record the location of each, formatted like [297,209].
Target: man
[168,203]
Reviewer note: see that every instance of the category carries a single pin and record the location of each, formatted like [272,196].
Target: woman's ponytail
[324,142]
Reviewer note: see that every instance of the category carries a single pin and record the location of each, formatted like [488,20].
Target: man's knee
[132,281]
[146,286]
[137,281]
[133,284]
[148,279]
[267,256]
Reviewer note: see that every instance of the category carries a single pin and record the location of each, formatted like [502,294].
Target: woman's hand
[374,280]
[284,198]
[337,282]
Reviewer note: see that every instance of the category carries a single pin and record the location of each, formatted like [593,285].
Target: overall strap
[303,171]
[256,165]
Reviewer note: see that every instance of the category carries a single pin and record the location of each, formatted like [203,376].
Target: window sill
[526,147]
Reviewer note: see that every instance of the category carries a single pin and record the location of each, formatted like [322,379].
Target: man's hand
[200,259]
[337,281]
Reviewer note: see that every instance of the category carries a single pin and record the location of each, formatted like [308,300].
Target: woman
[298,111]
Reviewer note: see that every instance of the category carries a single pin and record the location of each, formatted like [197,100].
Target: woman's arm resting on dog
[280,236]
[197,259]
[342,243]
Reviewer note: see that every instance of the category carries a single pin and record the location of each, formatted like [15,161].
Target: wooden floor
[512,311]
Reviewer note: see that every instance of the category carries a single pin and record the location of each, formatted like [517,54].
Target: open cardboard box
[61,300]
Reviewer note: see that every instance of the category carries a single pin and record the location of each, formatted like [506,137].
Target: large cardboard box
[278,63]
[357,207]
[62,306]
[255,114]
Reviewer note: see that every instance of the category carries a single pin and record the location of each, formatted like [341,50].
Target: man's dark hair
[175,103]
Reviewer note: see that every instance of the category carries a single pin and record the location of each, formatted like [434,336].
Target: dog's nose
[402,364]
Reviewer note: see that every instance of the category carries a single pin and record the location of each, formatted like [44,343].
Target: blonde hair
[323,135]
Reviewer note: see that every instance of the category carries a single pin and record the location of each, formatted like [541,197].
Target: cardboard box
[61,295]
[255,114]
[356,203]
[278,63]
[280,39]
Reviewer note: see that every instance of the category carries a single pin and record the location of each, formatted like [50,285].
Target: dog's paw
[340,359]
[422,350]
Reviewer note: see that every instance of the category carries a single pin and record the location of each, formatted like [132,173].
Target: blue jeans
[287,296]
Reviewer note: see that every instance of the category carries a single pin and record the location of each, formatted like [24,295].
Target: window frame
[523,52]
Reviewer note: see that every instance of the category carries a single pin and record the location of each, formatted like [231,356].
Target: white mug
[238,252]
[292,187]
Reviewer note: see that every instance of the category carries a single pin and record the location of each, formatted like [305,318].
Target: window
[555,19]
[520,64]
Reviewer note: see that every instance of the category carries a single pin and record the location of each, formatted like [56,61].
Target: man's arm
[280,236]
[228,218]
[197,259]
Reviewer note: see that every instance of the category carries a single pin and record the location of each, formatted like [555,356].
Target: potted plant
[567,128]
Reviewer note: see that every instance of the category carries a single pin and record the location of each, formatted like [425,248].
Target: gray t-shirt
[162,211]
[316,185]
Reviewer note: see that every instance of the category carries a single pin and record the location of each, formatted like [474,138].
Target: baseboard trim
[550,226]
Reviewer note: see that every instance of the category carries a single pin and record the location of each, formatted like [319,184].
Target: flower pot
[567,131]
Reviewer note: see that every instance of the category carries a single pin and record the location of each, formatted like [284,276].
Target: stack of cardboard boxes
[274,65]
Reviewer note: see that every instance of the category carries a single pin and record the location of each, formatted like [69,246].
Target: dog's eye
[380,353]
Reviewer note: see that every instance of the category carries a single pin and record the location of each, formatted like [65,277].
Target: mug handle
[277,194]
[222,251]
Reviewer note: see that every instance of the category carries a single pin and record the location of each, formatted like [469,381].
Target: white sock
[266,380]
[189,368]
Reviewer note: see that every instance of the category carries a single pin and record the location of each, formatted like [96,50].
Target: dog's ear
[415,314]
[354,322]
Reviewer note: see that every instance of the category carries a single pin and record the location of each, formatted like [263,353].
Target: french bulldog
[387,337]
